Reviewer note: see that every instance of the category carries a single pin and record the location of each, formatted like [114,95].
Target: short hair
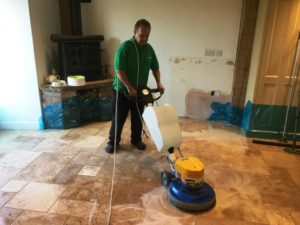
[141,23]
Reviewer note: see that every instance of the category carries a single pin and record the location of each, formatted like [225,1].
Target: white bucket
[77,80]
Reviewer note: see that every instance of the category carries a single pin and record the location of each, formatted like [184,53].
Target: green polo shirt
[126,60]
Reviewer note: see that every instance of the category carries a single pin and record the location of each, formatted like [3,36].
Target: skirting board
[19,125]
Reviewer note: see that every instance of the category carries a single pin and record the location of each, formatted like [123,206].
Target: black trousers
[124,105]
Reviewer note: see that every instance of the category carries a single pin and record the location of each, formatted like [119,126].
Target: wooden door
[282,29]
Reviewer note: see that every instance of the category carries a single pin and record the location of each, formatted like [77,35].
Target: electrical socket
[213,52]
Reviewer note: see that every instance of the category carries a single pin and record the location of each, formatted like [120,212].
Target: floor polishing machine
[187,189]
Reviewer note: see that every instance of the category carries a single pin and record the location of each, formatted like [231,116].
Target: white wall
[26,56]
[19,101]
[181,31]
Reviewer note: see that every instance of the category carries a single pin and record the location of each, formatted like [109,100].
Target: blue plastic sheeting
[226,113]
[246,116]
[41,123]
[76,110]
[104,107]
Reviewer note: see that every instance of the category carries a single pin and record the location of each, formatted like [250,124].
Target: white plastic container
[77,80]
[162,123]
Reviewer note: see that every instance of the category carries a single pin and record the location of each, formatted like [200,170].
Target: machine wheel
[166,178]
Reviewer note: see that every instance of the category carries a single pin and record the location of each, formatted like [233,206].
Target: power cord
[115,139]
[137,86]
[114,157]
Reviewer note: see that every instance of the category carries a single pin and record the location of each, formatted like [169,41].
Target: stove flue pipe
[70,16]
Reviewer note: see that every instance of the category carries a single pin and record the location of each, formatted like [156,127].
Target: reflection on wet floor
[63,177]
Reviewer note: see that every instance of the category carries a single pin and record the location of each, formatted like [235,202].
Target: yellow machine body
[191,171]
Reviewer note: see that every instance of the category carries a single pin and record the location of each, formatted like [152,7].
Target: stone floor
[63,177]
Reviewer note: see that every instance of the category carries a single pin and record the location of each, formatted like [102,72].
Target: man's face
[141,35]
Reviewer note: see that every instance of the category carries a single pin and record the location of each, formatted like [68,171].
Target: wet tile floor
[63,177]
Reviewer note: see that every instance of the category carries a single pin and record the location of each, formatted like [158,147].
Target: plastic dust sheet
[226,113]
[77,110]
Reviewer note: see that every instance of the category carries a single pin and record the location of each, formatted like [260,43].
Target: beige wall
[181,31]
[256,53]
[45,20]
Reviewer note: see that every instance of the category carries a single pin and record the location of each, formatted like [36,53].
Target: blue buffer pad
[189,199]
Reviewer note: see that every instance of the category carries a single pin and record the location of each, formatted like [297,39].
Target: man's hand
[131,91]
[160,88]
[122,75]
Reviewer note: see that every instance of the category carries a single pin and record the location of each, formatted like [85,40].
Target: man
[133,60]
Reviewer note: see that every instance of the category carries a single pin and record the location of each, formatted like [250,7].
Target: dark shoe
[139,145]
[109,149]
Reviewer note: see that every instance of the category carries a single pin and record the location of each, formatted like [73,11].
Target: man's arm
[122,75]
[156,75]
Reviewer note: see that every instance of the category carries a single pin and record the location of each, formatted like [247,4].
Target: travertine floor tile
[14,186]
[6,173]
[27,142]
[89,171]
[45,168]
[85,141]
[296,217]
[36,196]
[74,208]
[8,215]
[46,133]
[72,220]
[278,216]
[90,156]
[53,145]
[278,189]
[87,188]
[7,136]
[295,174]
[276,157]
[9,146]
[27,139]
[254,184]
[37,218]
[84,131]
[67,174]
[5,197]
[18,159]
[237,205]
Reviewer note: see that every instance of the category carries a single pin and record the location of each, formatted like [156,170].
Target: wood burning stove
[80,55]
[71,106]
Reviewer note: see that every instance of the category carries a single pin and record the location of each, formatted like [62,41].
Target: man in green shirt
[134,59]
